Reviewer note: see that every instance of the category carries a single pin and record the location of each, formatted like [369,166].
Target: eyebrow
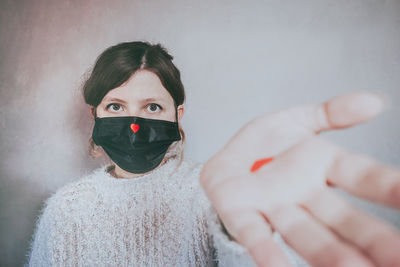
[123,101]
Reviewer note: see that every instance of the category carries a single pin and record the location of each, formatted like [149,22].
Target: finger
[339,112]
[377,240]
[364,177]
[313,241]
[254,232]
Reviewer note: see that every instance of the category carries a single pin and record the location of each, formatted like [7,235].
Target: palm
[291,191]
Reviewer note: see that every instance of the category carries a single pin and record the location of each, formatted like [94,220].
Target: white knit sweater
[158,219]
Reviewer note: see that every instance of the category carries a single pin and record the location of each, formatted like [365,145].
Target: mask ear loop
[94,112]
[176,116]
[176,112]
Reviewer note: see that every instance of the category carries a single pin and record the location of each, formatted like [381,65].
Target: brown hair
[118,63]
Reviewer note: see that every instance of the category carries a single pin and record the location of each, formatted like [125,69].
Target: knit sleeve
[52,245]
[231,253]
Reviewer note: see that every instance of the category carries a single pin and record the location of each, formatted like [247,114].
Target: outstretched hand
[275,173]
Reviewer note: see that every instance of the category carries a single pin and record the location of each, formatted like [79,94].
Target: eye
[115,107]
[153,107]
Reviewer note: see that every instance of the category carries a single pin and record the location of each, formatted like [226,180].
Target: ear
[181,110]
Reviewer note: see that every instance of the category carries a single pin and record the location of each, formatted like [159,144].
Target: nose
[135,111]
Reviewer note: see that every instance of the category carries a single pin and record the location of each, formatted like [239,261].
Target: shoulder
[70,196]
[191,166]
[192,170]
[189,171]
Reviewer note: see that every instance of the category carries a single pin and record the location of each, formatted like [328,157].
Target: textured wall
[238,60]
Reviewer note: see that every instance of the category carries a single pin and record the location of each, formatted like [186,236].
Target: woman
[148,208]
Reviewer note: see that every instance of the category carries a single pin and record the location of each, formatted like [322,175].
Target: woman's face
[143,95]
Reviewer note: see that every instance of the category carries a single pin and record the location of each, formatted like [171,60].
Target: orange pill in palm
[259,163]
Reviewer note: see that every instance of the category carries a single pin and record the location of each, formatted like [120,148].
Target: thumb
[339,112]
[350,109]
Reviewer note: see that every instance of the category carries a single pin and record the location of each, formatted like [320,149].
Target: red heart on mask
[135,127]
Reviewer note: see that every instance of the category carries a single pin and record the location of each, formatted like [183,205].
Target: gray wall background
[238,59]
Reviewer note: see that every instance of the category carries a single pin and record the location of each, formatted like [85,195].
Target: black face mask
[135,144]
